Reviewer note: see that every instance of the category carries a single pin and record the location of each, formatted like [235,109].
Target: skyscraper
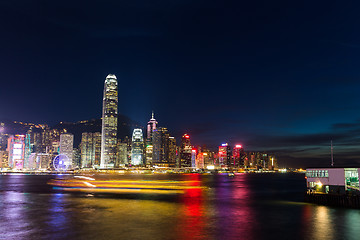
[238,156]
[151,126]
[66,147]
[87,150]
[224,155]
[109,122]
[122,154]
[16,150]
[172,151]
[90,152]
[137,147]
[185,151]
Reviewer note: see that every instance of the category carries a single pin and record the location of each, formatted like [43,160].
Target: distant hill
[14,127]
[125,127]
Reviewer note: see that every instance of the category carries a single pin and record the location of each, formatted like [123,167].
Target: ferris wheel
[61,162]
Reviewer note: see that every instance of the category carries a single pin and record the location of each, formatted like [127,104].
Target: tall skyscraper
[122,154]
[90,148]
[16,150]
[161,141]
[67,147]
[109,122]
[137,147]
[87,150]
[149,153]
[171,151]
[185,151]
[151,126]
[224,155]
[28,152]
[3,137]
[238,156]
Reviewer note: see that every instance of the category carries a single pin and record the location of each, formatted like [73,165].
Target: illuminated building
[97,146]
[76,161]
[273,164]
[31,162]
[171,151]
[193,158]
[157,146]
[224,155]
[246,162]
[4,159]
[238,156]
[149,153]
[137,147]
[151,126]
[335,181]
[259,160]
[28,151]
[42,139]
[43,161]
[55,147]
[122,154]
[185,151]
[164,148]
[109,122]
[90,148]
[204,160]
[3,137]
[252,160]
[16,149]
[66,147]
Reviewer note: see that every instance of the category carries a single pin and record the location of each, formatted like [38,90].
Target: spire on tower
[152,114]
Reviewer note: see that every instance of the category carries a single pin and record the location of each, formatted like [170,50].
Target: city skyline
[258,74]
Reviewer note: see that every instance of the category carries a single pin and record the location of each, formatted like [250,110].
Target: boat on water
[116,186]
[231,174]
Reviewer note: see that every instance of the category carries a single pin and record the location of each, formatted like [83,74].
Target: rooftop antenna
[332,154]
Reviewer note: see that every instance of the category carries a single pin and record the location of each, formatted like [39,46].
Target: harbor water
[246,206]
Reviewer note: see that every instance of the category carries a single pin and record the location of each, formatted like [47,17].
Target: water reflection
[58,215]
[234,210]
[352,223]
[14,216]
[323,228]
[192,216]
[243,207]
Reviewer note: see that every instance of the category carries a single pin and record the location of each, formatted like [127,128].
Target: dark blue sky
[279,76]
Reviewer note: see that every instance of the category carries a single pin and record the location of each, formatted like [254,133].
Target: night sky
[278,76]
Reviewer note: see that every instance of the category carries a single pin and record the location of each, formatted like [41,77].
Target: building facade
[137,147]
[67,147]
[151,127]
[185,151]
[224,155]
[90,148]
[109,122]
[16,150]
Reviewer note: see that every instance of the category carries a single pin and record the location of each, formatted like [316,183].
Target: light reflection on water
[244,207]
[323,225]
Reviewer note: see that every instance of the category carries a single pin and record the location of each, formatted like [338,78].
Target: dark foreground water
[248,206]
